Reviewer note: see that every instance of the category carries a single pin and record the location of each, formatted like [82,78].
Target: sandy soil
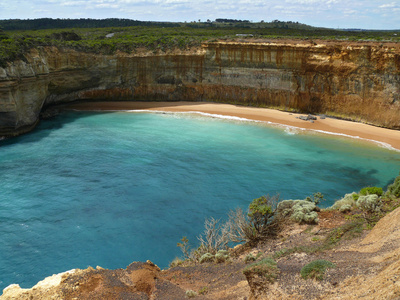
[341,127]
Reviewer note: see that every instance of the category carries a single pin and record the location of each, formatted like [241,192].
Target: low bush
[176,262]
[191,294]
[316,269]
[394,188]
[369,203]
[371,190]
[207,257]
[266,268]
[348,200]
[250,257]
[300,211]
[221,256]
[345,208]
[203,291]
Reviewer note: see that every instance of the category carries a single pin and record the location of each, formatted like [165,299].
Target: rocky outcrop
[367,267]
[360,82]
[138,281]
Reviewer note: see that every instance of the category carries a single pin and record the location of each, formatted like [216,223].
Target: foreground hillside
[360,253]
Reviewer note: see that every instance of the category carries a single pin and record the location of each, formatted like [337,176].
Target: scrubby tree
[261,212]
[257,224]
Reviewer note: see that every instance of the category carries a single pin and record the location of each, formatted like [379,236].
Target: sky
[363,14]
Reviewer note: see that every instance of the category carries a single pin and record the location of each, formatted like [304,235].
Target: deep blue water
[108,189]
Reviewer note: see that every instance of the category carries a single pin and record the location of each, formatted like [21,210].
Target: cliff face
[361,82]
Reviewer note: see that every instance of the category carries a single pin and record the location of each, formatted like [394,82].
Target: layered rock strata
[355,81]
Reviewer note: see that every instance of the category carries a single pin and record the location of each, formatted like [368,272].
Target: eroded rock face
[138,281]
[361,82]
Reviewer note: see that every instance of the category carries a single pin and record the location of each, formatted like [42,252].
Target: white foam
[289,129]
[381,144]
[217,116]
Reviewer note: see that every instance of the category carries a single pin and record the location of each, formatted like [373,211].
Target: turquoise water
[112,188]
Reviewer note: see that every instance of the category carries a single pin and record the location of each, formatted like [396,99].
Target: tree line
[48,23]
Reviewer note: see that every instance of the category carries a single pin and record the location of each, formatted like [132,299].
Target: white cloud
[389,5]
[106,5]
[73,3]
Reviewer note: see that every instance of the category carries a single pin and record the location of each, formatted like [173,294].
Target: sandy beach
[353,129]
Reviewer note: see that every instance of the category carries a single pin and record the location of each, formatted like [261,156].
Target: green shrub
[316,198]
[250,257]
[191,294]
[394,188]
[207,257]
[371,190]
[221,256]
[266,268]
[300,211]
[345,208]
[369,203]
[316,269]
[203,291]
[260,213]
[348,199]
[257,224]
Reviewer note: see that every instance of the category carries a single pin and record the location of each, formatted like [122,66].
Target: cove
[107,189]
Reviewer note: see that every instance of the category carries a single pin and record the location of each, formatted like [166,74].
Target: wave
[288,129]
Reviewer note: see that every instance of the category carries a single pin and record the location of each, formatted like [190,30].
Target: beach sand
[353,129]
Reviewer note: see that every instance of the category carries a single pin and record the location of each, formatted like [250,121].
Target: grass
[349,230]
[316,269]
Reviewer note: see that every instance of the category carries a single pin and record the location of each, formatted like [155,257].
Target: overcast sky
[366,14]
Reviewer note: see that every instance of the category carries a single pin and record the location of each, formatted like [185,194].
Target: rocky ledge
[366,264]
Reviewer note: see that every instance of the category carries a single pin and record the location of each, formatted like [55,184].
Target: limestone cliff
[356,81]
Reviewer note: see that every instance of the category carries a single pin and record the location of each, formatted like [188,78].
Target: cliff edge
[366,266]
[349,80]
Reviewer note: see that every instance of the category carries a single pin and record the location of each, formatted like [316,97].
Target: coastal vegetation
[266,268]
[316,269]
[263,268]
[111,35]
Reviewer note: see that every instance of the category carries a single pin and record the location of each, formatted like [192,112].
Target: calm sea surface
[107,189]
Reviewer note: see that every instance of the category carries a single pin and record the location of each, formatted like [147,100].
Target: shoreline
[373,134]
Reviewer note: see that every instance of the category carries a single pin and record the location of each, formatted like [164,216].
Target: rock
[216,71]
[260,276]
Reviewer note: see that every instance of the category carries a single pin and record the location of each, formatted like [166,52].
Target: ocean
[109,188]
